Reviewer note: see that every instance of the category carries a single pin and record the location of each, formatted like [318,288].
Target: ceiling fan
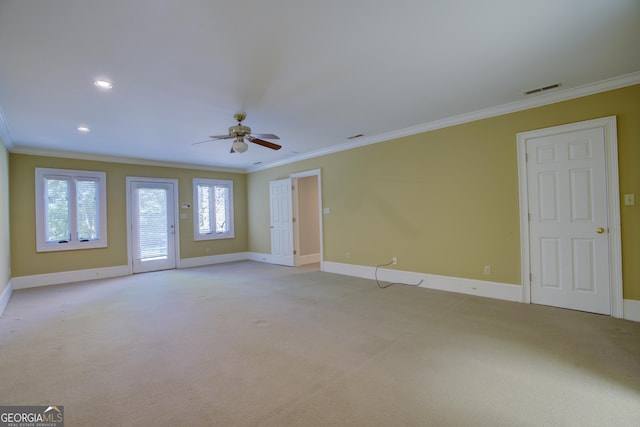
[239,132]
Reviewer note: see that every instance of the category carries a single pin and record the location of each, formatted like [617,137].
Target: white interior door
[568,220]
[281,222]
[152,225]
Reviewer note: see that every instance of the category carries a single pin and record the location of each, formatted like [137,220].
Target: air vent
[355,136]
[542,89]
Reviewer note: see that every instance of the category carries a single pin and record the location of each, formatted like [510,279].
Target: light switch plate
[629,199]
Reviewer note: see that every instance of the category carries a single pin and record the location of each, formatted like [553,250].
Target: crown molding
[5,134]
[532,101]
[116,159]
[511,107]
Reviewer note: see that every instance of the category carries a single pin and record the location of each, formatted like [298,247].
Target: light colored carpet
[252,344]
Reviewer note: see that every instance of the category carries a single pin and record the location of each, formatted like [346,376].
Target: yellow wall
[446,202]
[5,258]
[24,259]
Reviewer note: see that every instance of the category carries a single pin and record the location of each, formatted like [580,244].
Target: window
[71,210]
[213,210]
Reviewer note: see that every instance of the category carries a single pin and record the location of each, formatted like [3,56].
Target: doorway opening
[296,220]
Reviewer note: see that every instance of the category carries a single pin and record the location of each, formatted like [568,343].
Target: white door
[281,222]
[152,225]
[568,220]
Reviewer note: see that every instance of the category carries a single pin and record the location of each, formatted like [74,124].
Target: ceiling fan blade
[202,142]
[265,135]
[222,136]
[264,143]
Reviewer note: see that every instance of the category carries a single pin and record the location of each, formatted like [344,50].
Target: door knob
[599,230]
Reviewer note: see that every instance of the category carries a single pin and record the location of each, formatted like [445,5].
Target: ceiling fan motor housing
[239,130]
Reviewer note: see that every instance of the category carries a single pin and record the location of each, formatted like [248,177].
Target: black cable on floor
[381,286]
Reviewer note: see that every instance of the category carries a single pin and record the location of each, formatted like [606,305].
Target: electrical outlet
[394,260]
[348,255]
[629,199]
[487,269]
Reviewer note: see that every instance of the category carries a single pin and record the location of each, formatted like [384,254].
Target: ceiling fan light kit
[240,131]
[239,146]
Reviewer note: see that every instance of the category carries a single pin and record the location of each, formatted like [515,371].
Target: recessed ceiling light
[83,129]
[103,84]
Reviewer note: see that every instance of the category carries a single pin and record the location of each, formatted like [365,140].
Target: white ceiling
[312,71]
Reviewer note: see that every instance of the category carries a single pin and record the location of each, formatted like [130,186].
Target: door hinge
[293,220]
[295,252]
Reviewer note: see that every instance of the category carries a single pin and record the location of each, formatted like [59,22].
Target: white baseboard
[308,259]
[23,282]
[481,288]
[260,257]
[349,269]
[631,309]
[6,296]
[267,258]
[212,259]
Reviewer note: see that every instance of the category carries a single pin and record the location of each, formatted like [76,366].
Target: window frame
[42,245]
[230,234]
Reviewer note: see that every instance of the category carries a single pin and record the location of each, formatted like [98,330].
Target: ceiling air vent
[355,136]
[542,89]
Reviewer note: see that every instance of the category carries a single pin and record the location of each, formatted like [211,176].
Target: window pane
[222,211]
[87,209]
[213,209]
[70,209]
[152,217]
[57,210]
[204,209]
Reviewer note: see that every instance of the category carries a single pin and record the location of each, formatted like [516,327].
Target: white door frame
[295,212]
[176,240]
[608,124]
[318,174]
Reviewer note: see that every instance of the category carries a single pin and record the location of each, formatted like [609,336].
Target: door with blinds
[152,224]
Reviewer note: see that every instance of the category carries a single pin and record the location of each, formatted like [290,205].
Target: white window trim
[213,236]
[41,244]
